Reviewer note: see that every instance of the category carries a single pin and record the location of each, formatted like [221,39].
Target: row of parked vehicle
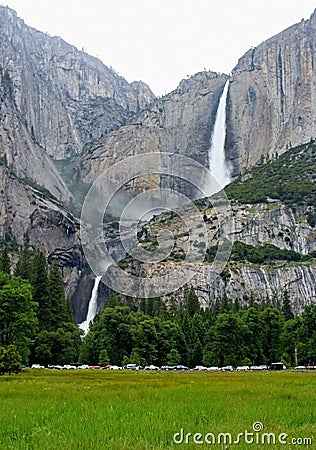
[305,368]
[110,367]
[273,366]
[176,368]
[230,368]
[86,366]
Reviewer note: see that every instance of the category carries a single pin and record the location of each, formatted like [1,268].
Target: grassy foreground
[128,410]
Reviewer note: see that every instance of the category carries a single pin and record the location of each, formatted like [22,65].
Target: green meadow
[43,410]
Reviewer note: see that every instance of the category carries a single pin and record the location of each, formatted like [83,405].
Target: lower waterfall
[93,303]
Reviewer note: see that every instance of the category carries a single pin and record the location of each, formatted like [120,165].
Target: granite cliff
[66,97]
[19,151]
[181,122]
[272,94]
[32,217]
[273,237]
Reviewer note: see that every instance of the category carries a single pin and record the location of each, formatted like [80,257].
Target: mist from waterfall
[92,308]
[216,153]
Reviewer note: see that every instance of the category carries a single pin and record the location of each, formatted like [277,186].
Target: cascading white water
[92,309]
[216,153]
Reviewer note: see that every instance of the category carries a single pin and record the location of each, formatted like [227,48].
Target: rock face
[255,225]
[248,282]
[182,122]
[272,95]
[275,224]
[260,284]
[53,100]
[65,96]
[30,217]
[19,152]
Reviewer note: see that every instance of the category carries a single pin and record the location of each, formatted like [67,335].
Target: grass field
[142,411]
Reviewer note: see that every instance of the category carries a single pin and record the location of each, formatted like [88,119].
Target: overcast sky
[161,42]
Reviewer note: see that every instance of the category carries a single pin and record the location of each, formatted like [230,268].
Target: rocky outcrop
[255,224]
[19,152]
[261,284]
[247,283]
[31,217]
[273,223]
[272,94]
[53,100]
[65,96]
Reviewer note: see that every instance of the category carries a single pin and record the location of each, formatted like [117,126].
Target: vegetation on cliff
[289,178]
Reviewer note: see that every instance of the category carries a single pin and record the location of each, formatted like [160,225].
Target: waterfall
[92,309]
[216,153]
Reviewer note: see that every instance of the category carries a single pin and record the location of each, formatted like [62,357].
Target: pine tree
[18,321]
[143,305]
[286,307]
[104,359]
[59,305]
[23,267]
[5,264]
[192,304]
[173,357]
[114,300]
[39,281]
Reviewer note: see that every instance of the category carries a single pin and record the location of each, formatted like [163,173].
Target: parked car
[151,367]
[68,367]
[115,367]
[300,368]
[227,369]
[37,366]
[213,369]
[132,367]
[180,367]
[277,366]
[200,368]
[167,368]
[55,367]
[260,367]
[310,367]
[242,368]
[83,367]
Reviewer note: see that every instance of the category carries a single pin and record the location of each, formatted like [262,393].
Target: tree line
[184,333]
[37,326]
[35,316]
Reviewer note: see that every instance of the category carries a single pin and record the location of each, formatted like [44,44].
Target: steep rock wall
[29,217]
[272,97]
[18,151]
[67,97]
[181,122]
[257,225]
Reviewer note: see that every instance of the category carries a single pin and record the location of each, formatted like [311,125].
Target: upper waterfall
[216,153]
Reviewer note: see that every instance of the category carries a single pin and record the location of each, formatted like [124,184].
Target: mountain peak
[312,19]
[66,96]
